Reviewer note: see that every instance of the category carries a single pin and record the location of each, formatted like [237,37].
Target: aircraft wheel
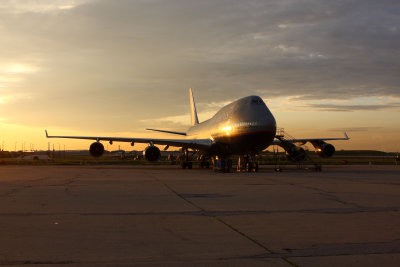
[229,165]
[183,165]
[249,166]
[255,167]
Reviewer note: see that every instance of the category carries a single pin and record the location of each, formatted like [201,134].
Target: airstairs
[298,153]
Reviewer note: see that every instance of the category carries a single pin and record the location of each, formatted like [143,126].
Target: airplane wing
[165,131]
[186,143]
[311,140]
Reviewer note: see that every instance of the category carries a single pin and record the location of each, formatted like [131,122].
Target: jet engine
[323,149]
[152,153]
[96,149]
[295,153]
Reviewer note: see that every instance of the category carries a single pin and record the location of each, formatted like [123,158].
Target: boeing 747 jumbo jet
[245,128]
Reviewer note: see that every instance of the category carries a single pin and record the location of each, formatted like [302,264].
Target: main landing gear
[187,160]
[186,163]
[246,164]
[222,164]
[204,163]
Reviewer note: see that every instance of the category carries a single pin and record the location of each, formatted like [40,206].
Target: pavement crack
[177,194]
[65,183]
[220,220]
[32,262]
[212,213]
[331,196]
[9,193]
[242,234]
[340,249]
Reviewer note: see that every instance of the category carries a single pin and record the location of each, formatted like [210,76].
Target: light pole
[59,150]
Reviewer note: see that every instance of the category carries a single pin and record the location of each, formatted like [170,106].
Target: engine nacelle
[296,153]
[96,149]
[152,153]
[324,150]
[293,152]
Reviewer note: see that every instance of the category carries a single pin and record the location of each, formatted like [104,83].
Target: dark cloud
[347,108]
[143,55]
[355,129]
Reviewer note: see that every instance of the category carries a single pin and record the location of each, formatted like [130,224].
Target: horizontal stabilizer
[164,131]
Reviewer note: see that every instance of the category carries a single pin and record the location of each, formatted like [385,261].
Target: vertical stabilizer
[193,112]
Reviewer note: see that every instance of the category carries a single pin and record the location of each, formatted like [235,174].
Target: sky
[113,68]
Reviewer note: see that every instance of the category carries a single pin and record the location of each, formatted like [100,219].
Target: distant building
[34,157]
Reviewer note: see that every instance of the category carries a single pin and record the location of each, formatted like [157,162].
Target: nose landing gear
[222,164]
[204,163]
[186,159]
[246,164]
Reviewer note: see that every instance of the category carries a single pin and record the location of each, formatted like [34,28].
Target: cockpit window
[256,101]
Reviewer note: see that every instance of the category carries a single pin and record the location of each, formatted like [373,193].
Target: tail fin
[193,112]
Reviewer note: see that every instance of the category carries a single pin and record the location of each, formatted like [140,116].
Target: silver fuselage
[245,126]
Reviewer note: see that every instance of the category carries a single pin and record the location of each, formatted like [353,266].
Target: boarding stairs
[303,161]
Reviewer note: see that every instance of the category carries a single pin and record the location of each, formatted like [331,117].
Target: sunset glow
[94,67]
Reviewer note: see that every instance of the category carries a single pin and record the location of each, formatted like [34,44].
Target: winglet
[46,133]
[193,112]
[346,136]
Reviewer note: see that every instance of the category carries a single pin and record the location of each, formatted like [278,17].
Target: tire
[249,166]
[189,165]
[255,166]
[229,165]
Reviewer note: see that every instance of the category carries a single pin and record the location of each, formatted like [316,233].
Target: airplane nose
[267,120]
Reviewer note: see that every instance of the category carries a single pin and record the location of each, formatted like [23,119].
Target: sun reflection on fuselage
[242,126]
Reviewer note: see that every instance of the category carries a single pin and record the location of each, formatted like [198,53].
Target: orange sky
[93,67]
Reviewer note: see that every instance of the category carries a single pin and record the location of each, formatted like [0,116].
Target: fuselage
[245,126]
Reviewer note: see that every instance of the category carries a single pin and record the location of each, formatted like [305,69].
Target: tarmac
[166,216]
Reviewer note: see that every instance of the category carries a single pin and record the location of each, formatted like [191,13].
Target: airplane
[244,127]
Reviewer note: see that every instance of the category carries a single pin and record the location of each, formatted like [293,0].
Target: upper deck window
[256,101]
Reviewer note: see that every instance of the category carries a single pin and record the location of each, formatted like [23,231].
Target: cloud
[7,99]
[355,129]
[39,6]
[109,64]
[334,107]
[20,68]
[182,121]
